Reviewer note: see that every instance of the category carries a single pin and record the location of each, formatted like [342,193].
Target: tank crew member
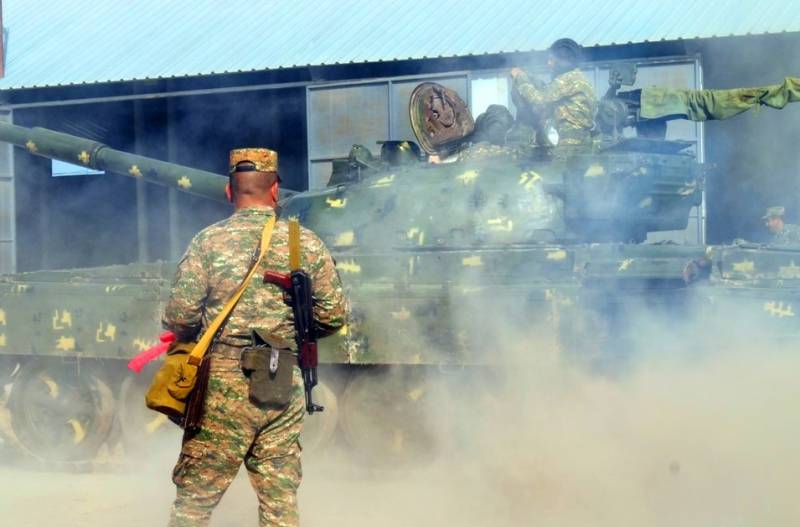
[233,429]
[782,233]
[567,102]
[490,135]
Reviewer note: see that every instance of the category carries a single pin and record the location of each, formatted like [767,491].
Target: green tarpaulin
[705,105]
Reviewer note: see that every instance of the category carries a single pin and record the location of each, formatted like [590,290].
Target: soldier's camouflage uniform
[233,430]
[789,235]
[568,101]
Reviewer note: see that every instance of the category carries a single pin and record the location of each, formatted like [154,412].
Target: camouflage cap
[774,212]
[263,159]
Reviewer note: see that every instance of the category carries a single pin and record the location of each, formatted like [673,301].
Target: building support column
[141,188]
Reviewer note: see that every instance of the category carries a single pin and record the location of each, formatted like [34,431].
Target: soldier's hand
[615,78]
[515,72]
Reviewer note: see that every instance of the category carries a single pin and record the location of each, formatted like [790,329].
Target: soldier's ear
[228,192]
[273,191]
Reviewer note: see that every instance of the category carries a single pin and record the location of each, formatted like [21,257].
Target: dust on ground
[710,441]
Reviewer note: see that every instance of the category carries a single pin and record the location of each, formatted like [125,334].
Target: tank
[442,262]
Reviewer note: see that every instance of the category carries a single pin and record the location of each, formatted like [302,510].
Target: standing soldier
[782,233]
[233,429]
[567,103]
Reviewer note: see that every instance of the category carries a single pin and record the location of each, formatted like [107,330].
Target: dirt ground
[706,442]
[329,496]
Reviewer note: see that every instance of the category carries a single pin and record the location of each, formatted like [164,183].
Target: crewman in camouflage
[782,233]
[567,102]
[233,429]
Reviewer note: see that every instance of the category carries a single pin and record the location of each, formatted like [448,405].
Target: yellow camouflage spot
[625,264]
[336,203]
[65,343]
[2,340]
[778,309]
[472,261]
[789,271]
[345,238]
[185,183]
[557,255]
[106,332]
[135,171]
[2,317]
[348,266]
[52,386]
[78,432]
[416,232]
[468,177]
[595,171]
[142,344]
[31,146]
[344,330]
[62,320]
[527,180]
[403,314]
[747,266]
[84,157]
[501,224]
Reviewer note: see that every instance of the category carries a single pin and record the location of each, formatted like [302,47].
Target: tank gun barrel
[96,155]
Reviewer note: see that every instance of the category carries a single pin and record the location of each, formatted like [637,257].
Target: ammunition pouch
[269,369]
[173,382]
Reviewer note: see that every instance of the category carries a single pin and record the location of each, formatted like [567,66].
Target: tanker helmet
[567,54]
[397,153]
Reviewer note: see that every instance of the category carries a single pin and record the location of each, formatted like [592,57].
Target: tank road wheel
[8,368]
[141,426]
[387,415]
[319,428]
[60,412]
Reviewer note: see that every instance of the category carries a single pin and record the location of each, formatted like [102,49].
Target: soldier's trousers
[232,431]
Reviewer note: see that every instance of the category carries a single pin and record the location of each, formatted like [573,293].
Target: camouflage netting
[704,105]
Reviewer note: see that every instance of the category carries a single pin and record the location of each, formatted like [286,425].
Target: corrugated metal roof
[61,42]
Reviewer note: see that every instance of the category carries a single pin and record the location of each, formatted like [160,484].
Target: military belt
[227,351]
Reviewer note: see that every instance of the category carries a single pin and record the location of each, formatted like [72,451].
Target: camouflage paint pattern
[568,100]
[790,234]
[234,430]
[215,263]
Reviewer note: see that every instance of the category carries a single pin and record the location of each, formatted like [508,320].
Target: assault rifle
[297,285]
